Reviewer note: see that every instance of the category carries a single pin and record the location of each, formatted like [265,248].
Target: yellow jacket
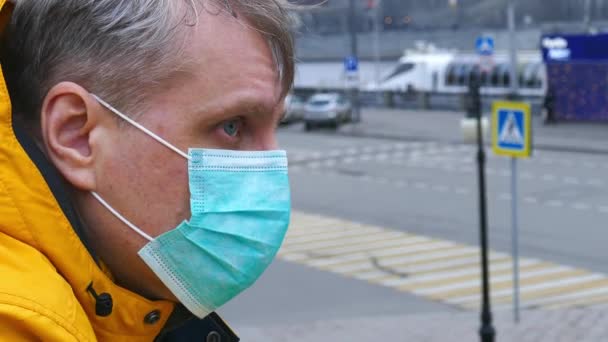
[51,286]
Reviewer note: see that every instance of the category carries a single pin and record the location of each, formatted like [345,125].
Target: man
[138,183]
[549,107]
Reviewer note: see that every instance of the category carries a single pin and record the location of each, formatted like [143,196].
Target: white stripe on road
[341,242]
[432,266]
[392,261]
[438,269]
[493,280]
[330,235]
[532,288]
[472,271]
[378,245]
[564,298]
[453,263]
[555,204]
[340,256]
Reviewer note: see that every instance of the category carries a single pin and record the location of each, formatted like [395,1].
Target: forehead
[224,53]
[224,69]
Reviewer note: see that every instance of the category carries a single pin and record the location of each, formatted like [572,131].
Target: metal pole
[514,92]
[353,51]
[512,49]
[377,46]
[515,239]
[587,15]
[487,331]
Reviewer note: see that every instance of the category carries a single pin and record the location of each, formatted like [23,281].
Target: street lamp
[487,331]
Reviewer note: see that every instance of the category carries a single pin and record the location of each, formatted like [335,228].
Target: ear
[66,122]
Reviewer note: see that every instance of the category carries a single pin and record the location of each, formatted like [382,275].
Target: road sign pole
[353,51]
[487,331]
[512,137]
[515,239]
[513,75]
[376,14]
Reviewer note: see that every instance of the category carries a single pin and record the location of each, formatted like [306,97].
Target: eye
[232,127]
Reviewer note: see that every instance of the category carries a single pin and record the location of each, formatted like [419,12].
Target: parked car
[294,109]
[329,109]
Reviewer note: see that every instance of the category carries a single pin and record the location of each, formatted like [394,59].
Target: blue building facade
[577,70]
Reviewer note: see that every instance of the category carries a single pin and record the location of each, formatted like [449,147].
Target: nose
[265,141]
[270,143]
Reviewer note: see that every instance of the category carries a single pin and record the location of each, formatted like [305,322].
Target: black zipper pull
[103,302]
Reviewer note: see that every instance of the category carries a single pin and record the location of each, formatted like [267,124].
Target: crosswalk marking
[424,267]
[395,246]
[351,231]
[394,252]
[464,281]
[410,255]
[500,285]
[427,279]
[561,286]
[433,268]
[586,296]
[317,245]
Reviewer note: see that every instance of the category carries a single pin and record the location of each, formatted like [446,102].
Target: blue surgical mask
[240,204]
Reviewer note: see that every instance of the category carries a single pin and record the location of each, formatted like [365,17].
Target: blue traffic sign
[485,45]
[351,64]
[511,129]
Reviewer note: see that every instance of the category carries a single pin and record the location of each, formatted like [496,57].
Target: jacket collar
[49,223]
[53,227]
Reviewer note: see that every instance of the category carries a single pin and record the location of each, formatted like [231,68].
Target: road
[387,227]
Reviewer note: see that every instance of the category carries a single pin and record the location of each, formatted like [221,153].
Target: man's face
[228,99]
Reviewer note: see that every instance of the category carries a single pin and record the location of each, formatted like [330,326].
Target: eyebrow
[256,109]
[246,106]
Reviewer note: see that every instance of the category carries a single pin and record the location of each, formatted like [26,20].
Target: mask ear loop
[122,218]
[141,128]
[153,136]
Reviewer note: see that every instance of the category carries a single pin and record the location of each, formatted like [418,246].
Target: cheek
[169,187]
[177,177]
[149,184]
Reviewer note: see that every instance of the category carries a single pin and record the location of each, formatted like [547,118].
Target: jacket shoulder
[36,303]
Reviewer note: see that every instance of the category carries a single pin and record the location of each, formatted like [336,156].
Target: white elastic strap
[120,217]
[142,128]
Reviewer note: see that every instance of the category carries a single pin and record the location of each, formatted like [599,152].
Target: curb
[536,146]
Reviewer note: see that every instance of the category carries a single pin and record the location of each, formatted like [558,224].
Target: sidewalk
[445,126]
[567,325]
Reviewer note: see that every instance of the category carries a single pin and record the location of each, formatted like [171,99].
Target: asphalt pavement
[385,228]
[444,126]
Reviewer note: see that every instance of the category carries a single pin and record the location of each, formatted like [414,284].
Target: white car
[329,109]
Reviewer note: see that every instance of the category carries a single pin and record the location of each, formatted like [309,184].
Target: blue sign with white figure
[485,46]
[511,129]
[351,64]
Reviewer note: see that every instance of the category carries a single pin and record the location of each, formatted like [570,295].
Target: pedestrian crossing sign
[511,129]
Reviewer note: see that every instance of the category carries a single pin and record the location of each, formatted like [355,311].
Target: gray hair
[117,48]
